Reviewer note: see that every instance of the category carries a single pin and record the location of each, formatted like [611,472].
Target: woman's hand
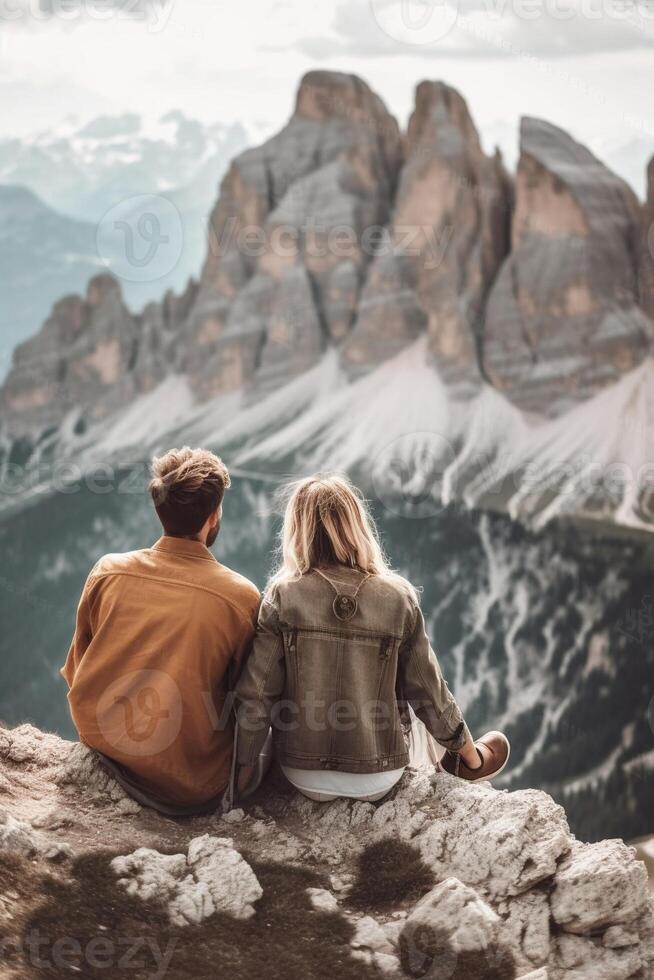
[470,755]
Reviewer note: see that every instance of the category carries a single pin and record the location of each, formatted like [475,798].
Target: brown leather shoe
[494,751]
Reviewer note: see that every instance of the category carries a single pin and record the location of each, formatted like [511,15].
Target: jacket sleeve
[422,685]
[83,633]
[243,646]
[260,685]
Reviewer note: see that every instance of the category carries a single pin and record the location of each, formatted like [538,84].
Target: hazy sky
[587,65]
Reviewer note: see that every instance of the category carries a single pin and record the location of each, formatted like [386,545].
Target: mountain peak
[324,95]
[102,286]
[564,318]
[571,162]
[437,103]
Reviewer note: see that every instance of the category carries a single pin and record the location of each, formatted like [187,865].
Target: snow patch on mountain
[148,417]
[400,431]
[253,432]
[597,459]
[400,422]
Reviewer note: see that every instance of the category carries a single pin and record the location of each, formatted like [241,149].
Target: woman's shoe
[494,751]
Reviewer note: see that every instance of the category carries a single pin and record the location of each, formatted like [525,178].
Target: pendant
[344,607]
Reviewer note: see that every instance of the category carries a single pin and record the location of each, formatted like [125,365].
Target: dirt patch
[89,927]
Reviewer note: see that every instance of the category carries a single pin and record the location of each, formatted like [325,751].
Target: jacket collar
[184,547]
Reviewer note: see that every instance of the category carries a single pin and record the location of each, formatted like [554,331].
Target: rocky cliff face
[444,879]
[448,236]
[43,254]
[286,257]
[563,318]
[82,357]
[340,233]
[91,358]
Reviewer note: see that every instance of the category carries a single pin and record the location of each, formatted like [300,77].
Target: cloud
[483,28]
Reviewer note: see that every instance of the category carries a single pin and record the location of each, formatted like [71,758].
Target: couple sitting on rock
[186,683]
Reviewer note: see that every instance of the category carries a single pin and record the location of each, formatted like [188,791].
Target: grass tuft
[389,873]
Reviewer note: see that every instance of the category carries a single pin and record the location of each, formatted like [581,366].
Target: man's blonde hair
[187,487]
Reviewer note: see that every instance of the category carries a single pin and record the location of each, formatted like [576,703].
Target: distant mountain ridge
[43,254]
[525,298]
[80,170]
[61,195]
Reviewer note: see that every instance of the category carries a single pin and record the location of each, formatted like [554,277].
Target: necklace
[344,606]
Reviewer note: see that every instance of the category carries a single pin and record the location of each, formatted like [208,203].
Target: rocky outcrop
[80,358]
[459,932]
[287,237]
[16,836]
[212,877]
[446,241]
[91,358]
[442,874]
[563,318]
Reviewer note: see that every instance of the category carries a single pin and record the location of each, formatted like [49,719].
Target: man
[160,636]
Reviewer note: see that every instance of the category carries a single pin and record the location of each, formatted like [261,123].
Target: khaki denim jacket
[336,690]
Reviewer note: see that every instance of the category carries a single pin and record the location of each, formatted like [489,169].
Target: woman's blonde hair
[327,521]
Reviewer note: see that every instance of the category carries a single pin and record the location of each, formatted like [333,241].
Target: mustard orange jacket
[160,633]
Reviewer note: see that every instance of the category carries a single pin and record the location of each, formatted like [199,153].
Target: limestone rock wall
[340,232]
[563,318]
[286,257]
[448,236]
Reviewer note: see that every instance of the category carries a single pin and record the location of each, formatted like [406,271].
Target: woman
[340,657]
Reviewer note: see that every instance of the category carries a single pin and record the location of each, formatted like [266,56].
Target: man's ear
[215,518]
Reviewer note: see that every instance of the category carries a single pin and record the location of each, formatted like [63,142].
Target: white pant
[323,786]
[328,797]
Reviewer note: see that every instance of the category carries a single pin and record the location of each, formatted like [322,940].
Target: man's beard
[213,534]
